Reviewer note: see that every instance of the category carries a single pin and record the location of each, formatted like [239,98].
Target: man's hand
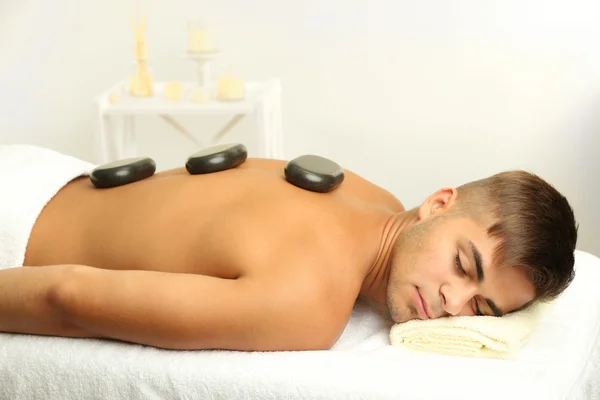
[167,310]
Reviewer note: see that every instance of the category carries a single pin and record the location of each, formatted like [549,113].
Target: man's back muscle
[224,224]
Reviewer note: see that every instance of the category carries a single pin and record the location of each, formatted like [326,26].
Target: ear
[439,202]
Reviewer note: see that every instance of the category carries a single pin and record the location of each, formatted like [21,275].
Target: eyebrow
[480,277]
[477,258]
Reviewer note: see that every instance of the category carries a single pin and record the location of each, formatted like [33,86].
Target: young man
[243,260]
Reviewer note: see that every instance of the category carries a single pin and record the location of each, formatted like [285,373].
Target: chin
[396,315]
[400,318]
[398,311]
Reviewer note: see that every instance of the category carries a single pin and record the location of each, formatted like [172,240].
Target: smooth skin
[243,260]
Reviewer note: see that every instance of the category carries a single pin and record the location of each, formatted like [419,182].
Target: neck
[374,287]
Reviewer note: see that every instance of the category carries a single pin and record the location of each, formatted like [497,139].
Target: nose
[456,297]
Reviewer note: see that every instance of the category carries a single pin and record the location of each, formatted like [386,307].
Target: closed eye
[459,266]
[462,272]
[477,310]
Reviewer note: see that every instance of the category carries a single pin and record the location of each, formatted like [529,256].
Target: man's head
[488,247]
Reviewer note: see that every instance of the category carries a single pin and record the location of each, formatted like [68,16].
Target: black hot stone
[314,173]
[122,172]
[216,158]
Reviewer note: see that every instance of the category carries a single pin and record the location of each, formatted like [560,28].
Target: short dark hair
[535,225]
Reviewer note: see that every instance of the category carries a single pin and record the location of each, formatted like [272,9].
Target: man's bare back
[296,259]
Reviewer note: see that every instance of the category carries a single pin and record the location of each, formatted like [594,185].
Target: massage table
[561,360]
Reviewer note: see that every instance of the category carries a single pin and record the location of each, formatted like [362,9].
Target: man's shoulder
[311,300]
[373,191]
[318,313]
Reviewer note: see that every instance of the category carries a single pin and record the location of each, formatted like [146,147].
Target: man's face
[428,263]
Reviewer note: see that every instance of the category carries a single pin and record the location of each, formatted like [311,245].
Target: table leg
[103,139]
[116,138]
[276,122]
[263,131]
[128,148]
[268,115]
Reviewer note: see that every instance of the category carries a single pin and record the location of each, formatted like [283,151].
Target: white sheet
[560,361]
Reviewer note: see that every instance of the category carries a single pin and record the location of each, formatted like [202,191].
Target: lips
[421,306]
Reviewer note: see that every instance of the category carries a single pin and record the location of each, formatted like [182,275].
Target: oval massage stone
[122,172]
[314,173]
[216,158]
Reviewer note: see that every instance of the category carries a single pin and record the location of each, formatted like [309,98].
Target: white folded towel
[474,336]
[30,176]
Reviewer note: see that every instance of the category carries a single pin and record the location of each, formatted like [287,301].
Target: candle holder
[203,66]
[202,48]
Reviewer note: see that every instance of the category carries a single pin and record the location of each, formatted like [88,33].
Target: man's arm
[25,301]
[167,310]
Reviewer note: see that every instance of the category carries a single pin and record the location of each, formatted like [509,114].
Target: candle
[230,88]
[200,41]
[198,96]
[114,98]
[173,91]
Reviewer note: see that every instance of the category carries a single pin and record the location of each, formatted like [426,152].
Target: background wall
[412,95]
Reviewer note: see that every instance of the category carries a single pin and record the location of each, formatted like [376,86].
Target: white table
[116,136]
